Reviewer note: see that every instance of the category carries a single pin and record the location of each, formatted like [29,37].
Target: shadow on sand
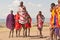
[37,37]
[33,37]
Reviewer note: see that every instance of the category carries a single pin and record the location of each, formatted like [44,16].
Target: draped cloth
[39,21]
[28,21]
[22,13]
[17,24]
[57,29]
[57,11]
[10,22]
[52,19]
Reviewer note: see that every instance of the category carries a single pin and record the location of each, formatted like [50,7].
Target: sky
[32,6]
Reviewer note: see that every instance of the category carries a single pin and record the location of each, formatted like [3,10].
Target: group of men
[23,19]
[18,21]
[55,21]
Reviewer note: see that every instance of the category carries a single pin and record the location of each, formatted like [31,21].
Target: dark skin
[52,30]
[40,30]
[59,29]
[52,6]
[22,6]
[11,31]
[28,28]
[58,1]
[18,33]
[11,12]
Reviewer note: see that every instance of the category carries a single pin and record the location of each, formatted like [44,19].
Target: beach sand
[34,34]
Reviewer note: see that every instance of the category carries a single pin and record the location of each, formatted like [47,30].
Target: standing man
[17,24]
[28,24]
[52,21]
[57,11]
[40,21]
[10,22]
[22,12]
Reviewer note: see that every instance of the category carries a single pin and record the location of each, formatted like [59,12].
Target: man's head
[11,11]
[52,5]
[21,3]
[18,12]
[40,12]
[58,1]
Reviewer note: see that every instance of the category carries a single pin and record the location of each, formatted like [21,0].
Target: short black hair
[53,4]
[21,2]
[40,12]
[11,11]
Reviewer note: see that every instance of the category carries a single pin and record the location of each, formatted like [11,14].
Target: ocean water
[2,20]
[33,20]
[46,20]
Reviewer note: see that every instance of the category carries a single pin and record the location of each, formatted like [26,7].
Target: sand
[34,34]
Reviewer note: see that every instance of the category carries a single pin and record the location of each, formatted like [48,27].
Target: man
[28,24]
[22,12]
[17,24]
[10,22]
[52,21]
[57,11]
[40,21]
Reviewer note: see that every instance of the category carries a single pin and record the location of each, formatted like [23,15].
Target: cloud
[31,7]
[16,2]
[30,4]
[39,5]
[13,5]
